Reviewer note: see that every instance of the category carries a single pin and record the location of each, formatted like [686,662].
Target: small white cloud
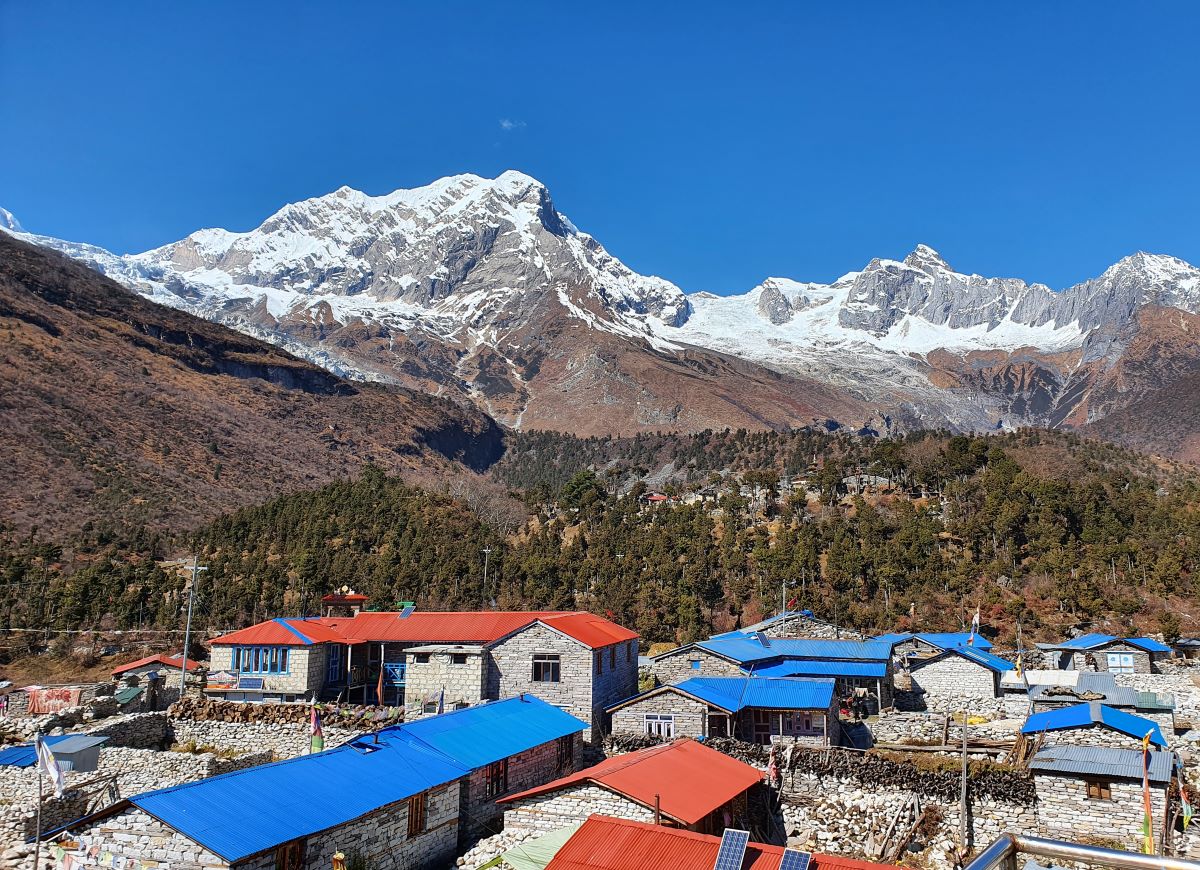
[510,124]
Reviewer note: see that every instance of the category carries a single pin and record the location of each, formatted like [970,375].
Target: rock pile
[336,715]
[489,849]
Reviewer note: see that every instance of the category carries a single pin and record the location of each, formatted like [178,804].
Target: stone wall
[1096,735]
[464,684]
[1097,660]
[1066,812]
[511,671]
[480,815]
[615,679]
[952,676]
[134,834]
[282,739]
[929,729]
[691,717]
[549,812]
[1182,685]
[306,669]
[676,666]
[804,626]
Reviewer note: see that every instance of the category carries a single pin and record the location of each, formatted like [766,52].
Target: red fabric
[689,779]
[605,843]
[43,701]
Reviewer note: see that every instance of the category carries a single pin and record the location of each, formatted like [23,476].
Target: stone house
[1104,652]
[392,803]
[575,660]
[1102,687]
[910,645]
[682,784]
[1093,724]
[1085,792]
[959,672]
[856,666]
[164,665]
[755,709]
[506,746]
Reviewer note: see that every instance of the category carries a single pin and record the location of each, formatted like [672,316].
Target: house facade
[957,673]
[426,661]
[1093,724]
[1104,652]
[682,784]
[1087,792]
[755,709]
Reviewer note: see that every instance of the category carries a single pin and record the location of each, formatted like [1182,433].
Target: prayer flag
[974,628]
[379,687]
[442,701]
[1147,824]
[317,743]
[47,765]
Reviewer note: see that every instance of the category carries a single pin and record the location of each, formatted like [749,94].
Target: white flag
[47,765]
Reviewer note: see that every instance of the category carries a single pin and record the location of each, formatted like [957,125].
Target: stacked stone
[284,740]
[20,729]
[488,850]
[340,716]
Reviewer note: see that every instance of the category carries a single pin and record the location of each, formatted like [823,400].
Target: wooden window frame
[290,856]
[566,753]
[548,662]
[659,725]
[416,814]
[496,778]
[1098,789]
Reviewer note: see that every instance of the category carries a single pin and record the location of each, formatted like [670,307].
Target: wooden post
[657,810]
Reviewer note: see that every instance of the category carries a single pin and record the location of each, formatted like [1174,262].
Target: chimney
[657,810]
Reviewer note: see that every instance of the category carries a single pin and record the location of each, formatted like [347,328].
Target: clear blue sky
[713,144]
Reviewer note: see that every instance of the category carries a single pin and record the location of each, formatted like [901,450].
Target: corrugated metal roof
[1097,761]
[1149,644]
[802,668]
[978,656]
[690,779]
[1094,713]
[939,639]
[25,755]
[276,803]
[476,736]
[606,843]
[427,627]
[1087,641]
[72,743]
[1100,683]
[752,649]
[175,662]
[738,693]
[1095,640]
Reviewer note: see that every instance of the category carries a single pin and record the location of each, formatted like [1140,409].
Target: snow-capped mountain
[481,288]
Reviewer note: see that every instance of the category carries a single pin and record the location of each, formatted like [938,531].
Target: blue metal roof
[25,755]
[1099,761]
[822,669]
[1094,713]
[940,639]
[751,649]
[1149,644]
[737,693]
[476,736]
[982,657]
[248,811]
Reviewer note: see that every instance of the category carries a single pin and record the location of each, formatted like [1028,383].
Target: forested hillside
[1041,527]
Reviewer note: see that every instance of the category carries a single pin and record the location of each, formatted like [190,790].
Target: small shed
[1105,652]
[1094,724]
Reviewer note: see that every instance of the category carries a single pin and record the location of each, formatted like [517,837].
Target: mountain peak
[927,260]
[8,221]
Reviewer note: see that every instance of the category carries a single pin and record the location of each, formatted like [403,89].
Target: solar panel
[794,859]
[250,682]
[733,850]
[407,611]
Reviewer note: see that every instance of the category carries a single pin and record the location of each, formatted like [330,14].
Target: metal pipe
[1006,847]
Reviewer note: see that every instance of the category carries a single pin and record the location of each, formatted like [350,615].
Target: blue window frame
[393,673]
[695,663]
[261,659]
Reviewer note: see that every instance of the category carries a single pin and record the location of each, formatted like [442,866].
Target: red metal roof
[605,843]
[160,659]
[690,779]
[427,627]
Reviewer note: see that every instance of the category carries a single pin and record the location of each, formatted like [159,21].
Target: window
[629,652]
[566,753]
[461,705]
[547,668]
[290,856]
[496,775]
[796,722]
[599,662]
[1098,790]
[762,726]
[261,659]
[695,663]
[458,658]
[1120,663]
[416,815]
[429,707]
[335,664]
[421,658]
[660,725]
[612,658]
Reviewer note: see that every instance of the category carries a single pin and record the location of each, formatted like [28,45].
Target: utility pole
[486,552]
[187,632]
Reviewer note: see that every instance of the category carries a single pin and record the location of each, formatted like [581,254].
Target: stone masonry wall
[133,833]
[306,669]
[616,680]
[954,676]
[381,839]
[463,683]
[1181,685]
[283,740]
[480,815]
[1066,812]
[676,666]
[691,717]
[549,812]
[511,671]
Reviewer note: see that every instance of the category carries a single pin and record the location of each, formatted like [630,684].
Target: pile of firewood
[332,715]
